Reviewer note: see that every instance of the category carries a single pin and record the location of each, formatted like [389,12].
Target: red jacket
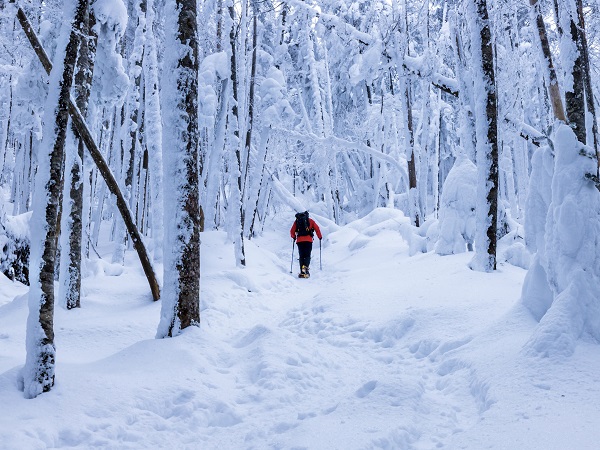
[307,238]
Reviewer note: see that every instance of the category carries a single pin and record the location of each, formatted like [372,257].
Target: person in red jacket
[302,232]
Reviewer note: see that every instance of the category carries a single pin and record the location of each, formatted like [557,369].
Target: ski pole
[292,263]
[320,263]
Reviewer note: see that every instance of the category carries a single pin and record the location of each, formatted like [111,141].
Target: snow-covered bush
[561,286]
[14,246]
[456,227]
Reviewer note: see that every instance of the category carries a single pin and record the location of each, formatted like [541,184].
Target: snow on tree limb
[411,63]
[331,19]
[339,144]
[446,84]
[284,195]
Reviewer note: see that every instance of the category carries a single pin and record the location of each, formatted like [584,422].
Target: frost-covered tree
[38,373]
[153,130]
[560,286]
[181,297]
[487,138]
[562,217]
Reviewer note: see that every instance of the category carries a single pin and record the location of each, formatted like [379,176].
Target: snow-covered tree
[181,296]
[38,373]
[486,107]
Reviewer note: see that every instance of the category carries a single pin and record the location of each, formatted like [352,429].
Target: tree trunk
[487,147]
[587,78]
[555,97]
[237,199]
[574,91]
[7,136]
[181,302]
[38,373]
[153,133]
[71,280]
[413,196]
[251,94]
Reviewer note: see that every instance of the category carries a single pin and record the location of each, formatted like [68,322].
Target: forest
[144,124]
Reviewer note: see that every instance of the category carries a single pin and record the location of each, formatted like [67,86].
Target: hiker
[302,232]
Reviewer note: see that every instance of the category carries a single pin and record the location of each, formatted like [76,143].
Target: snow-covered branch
[339,144]
[331,19]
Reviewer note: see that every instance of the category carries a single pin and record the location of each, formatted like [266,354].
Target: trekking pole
[320,263]
[292,263]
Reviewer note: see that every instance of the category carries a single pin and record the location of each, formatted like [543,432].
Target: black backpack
[303,224]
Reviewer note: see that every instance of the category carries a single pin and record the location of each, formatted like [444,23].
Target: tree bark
[41,351]
[488,152]
[83,79]
[181,302]
[188,306]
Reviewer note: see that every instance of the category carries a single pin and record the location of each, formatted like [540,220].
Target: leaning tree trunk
[38,373]
[487,144]
[181,302]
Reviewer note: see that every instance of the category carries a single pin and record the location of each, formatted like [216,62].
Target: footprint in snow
[366,389]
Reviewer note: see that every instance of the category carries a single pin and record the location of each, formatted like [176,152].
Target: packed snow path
[377,350]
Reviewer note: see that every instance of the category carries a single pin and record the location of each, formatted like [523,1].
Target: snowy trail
[378,350]
[353,375]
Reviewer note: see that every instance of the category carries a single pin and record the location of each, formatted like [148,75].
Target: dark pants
[304,249]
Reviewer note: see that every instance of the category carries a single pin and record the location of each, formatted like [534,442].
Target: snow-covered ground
[376,350]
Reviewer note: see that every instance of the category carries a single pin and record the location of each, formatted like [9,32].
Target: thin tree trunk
[488,149]
[251,94]
[413,197]
[555,97]
[6,140]
[153,120]
[255,193]
[587,78]
[238,190]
